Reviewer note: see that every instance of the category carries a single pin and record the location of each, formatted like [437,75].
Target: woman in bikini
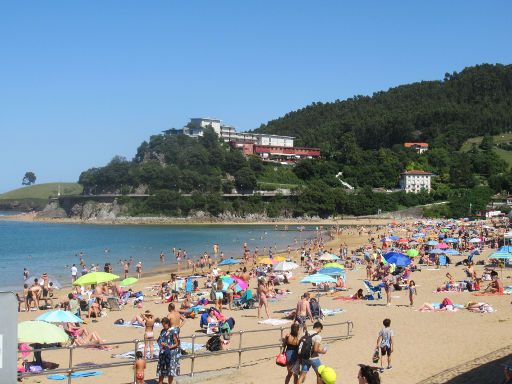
[262,294]
[149,323]
[231,293]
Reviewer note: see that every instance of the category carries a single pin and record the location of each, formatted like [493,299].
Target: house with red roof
[418,147]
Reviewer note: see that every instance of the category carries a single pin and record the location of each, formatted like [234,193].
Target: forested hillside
[361,137]
[475,102]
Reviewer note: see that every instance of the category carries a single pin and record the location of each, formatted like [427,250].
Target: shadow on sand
[487,369]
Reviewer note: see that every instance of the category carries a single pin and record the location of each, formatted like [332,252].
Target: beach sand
[429,347]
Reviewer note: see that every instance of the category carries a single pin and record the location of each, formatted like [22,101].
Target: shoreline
[163,220]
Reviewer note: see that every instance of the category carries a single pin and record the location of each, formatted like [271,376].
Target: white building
[197,125]
[415,181]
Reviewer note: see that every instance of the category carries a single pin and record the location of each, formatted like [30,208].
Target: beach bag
[281,359]
[306,345]
[376,356]
[213,344]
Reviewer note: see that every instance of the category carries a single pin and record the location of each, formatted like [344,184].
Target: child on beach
[139,366]
[385,343]
[412,292]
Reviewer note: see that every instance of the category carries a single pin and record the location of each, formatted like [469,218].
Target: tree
[29,178]
[245,180]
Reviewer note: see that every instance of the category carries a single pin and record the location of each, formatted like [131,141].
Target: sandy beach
[430,347]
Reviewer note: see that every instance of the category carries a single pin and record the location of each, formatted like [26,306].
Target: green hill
[498,139]
[42,191]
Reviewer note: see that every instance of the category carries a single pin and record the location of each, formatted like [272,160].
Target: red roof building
[418,147]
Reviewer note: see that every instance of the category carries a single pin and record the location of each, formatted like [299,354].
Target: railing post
[70,365]
[193,358]
[136,348]
[282,331]
[240,349]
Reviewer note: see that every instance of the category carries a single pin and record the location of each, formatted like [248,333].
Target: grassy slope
[42,191]
[505,137]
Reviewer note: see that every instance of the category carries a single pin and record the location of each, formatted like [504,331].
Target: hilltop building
[274,148]
[418,147]
[415,181]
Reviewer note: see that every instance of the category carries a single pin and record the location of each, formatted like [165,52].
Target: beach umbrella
[451,240]
[505,248]
[392,254]
[285,266]
[328,257]
[413,243]
[59,316]
[436,251]
[441,246]
[394,238]
[332,271]
[403,241]
[475,240]
[241,283]
[128,281]
[228,280]
[444,229]
[452,252]
[501,255]
[399,260]
[412,252]
[51,279]
[317,278]
[229,262]
[266,261]
[40,332]
[334,265]
[431,242]
[95,278]
[279,258]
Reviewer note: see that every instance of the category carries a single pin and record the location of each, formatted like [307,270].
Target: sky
[83,81]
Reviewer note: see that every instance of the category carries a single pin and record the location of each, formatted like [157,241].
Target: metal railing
[193,355]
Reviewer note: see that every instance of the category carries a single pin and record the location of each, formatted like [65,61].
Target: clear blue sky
[82,81]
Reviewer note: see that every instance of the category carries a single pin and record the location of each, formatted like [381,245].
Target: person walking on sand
[169,357]
[262,296]
[388,281]
[139,366]
[386,343]
[412,292]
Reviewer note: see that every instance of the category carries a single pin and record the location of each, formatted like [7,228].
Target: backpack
[306,345]
[213,344]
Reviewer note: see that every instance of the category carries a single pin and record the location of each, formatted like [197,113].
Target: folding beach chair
[372,290]
[246,301]
[113,304]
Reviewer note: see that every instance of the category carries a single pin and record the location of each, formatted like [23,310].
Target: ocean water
[53,248]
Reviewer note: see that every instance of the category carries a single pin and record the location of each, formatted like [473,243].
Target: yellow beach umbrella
[266,260]
[280,258]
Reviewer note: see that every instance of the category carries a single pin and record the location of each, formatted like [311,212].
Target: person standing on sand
[168,359]
[386,343]
[126,267]
[175,318]
[262,296]
[139,366]
[138,268]
[303,311]
[149,337]
[388,281]
[74,272]
[412,292]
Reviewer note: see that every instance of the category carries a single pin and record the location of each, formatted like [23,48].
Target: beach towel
[274,322]
[332,312]
[76,375]
[489,294]
[130,325]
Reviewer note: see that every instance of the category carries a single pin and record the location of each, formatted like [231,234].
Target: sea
[53,248]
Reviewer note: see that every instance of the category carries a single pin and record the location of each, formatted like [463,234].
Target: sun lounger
[113,304]
[372,290]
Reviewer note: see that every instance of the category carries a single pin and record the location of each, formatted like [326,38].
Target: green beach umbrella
[95,278]
[40,332]
[334,265]
[412,252]
[128,281]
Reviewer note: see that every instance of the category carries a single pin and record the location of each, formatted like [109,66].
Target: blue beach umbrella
[331,271]
[394,238]
[389,255]
[229,262]
[501,255]
[452,252]
[59,316]
[432,242]
[436,251]
[317,278]
[451,240]
[399,260]
[505,248]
